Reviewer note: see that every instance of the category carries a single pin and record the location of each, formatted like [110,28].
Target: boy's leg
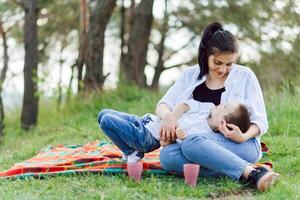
[127,132]
[123,115]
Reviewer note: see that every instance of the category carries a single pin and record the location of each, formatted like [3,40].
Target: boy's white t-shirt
[194,121]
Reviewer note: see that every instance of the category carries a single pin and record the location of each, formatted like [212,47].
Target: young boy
[200,118]
[136,136]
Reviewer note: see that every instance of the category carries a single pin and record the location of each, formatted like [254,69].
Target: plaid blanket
[93,157]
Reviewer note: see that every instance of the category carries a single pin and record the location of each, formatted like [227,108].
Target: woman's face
[219,65]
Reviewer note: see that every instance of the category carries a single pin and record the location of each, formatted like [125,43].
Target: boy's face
[219,112]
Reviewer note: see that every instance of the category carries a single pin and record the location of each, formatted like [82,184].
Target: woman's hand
[235,134]
[164,143]
[167,131]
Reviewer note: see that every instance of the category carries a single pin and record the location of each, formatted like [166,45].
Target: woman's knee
[164,157]
[189,143]
[168,157]
[250,152]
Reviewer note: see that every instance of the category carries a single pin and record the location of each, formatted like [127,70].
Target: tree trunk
[122,32]
[125,30]
[131,15]
[83,39]
[69,90]
[2,78]
[138,44]
[30,99]
[99,18]
[61,62]
[161,50]
[122,35]
[155,80]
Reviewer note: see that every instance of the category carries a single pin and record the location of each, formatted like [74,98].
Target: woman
[217,79]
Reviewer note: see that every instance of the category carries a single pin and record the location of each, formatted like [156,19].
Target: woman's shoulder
[243,71]
[191,71]
[193,68]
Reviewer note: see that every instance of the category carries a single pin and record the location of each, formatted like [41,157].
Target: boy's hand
[180,133]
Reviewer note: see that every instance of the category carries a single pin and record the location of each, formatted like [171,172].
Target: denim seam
[120,130]
[118,147]
[202,139]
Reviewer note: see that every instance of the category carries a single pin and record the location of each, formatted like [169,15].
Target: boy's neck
[212,125]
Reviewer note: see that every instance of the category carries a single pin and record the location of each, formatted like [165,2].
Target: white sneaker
[132,158]
[124,157]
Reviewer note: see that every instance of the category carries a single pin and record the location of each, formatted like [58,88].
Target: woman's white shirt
[241,85]
[194,121]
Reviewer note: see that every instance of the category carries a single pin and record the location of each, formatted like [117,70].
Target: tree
[59,85]
[83,39]
[122,32]
[99,18]
[265,28]
[135,62]
[3,76]
[30,99]
[160,49]
[126,24]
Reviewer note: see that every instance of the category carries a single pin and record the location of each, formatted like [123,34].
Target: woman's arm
[252,132]
[169,120]
[167,103]
[168,124]
[180,109]
[162,110]
[255,103]
[236,134]
[170,97]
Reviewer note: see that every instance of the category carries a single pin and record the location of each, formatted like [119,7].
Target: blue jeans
[127,131]
[216,155]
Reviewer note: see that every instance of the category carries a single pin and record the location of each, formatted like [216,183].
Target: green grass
[76,123]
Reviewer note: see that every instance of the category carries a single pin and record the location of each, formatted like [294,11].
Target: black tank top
[203,94]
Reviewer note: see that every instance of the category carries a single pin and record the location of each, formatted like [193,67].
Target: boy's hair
[240,117]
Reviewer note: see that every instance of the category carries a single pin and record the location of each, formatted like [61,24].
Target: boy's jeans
[127,131]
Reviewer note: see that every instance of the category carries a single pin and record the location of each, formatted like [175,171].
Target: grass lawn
[76,123]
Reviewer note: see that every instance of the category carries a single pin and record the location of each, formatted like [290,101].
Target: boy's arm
[180,133]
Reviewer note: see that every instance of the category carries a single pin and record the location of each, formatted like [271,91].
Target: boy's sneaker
[135,157]
[124,157]
[262,178]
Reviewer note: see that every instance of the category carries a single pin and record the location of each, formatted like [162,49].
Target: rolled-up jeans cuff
[241,170]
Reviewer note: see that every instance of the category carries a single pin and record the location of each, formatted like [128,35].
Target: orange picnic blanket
[93,157]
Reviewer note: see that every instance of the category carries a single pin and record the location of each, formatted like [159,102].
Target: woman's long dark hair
[214,39]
